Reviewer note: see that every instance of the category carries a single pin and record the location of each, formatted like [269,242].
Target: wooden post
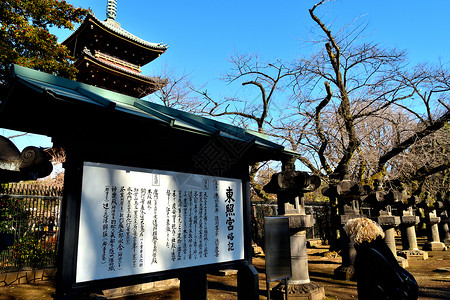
[193,286]
[70,209]
[247,277]
[248,283]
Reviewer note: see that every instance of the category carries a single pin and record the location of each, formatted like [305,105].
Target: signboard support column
[247,277]
[248,283]
[70,206]
[193,286]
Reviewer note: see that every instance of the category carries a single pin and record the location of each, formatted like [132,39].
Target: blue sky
[203,34]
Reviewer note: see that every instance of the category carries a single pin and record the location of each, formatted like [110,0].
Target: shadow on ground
[433,285]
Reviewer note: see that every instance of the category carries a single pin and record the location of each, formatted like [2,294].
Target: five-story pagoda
[110,57]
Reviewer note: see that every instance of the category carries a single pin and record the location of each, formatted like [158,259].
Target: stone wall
[33,276]
[27,276]
[142,288]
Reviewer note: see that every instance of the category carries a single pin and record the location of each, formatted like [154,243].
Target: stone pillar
[389,239]
[409,239]
[443,209]
[299,255]
[346,194]
[408,231]
[445,230]
[346,271]
[434,243]
[299,286]
[382,202]
[388,223]
[290,186]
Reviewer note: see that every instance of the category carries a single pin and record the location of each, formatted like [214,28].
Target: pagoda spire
[111,10]
[110,57]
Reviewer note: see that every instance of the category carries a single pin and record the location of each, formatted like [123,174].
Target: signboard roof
[38,101]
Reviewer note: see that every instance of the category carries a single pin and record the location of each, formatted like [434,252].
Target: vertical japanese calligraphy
[121,234]
[230,217]
[137,221]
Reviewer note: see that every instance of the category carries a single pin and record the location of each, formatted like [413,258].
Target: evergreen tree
[25,38]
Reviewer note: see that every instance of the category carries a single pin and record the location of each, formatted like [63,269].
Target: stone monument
[408,231]
[290,186]
[443,210]
[382,202]
[345,196]
[431,220]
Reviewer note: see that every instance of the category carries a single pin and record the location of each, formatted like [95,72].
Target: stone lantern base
[345,273]
[445,231]
[447,241]
[403,262]
[306,291]
[413,254]
[435,246]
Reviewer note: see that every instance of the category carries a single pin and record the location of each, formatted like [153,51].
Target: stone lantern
[408,231]
[345,197]
[443,210]
[431,220]
[290,186]
[382,203]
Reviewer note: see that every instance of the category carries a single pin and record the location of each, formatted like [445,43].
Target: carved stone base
[403,262]
[306,291]
[446,241]
[413,254]
[345,273]
[435,246]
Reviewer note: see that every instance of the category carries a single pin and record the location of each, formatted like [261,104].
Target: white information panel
[136,221]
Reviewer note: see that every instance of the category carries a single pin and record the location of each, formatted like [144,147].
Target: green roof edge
[102,96]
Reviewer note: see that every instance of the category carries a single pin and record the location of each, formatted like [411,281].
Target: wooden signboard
[139,221]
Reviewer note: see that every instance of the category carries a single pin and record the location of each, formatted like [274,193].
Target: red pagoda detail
[110,57]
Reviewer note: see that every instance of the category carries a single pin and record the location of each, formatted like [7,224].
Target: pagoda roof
[114,29]
[152,84]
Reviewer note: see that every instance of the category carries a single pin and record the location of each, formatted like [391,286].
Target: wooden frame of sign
[127,225]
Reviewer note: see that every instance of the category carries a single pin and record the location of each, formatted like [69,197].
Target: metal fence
[29,222]
[319,211]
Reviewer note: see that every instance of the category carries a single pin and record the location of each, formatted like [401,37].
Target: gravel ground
[433,284]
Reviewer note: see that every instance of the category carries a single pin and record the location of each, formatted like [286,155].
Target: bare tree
[357,105]
[269,79]
[249,70]
[426,164]
[351,92]
[430,87]
[178,93]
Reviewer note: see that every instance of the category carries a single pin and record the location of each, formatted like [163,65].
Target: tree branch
[411,140]
[424,172]
[320,131]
